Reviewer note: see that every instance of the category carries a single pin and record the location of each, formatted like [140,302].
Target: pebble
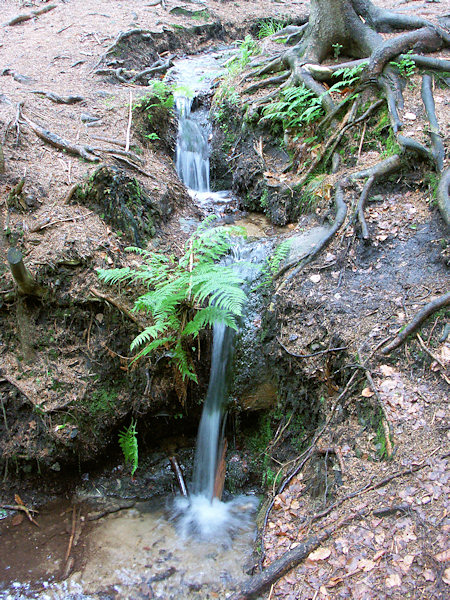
[409,116]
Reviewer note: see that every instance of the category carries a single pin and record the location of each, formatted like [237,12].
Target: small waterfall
[209,433]
[192,152]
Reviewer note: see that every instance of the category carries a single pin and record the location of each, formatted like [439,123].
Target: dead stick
[427,310]
[179,475]
[72,535]
[58,142]
[117,304]
[428,351]
[257,584]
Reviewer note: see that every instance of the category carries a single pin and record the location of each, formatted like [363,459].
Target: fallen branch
[160,66]
[408,143]
[290,559]
[60,143]
[328,350]
[178,475]
[435,134]
[130,164]
[419,318]
[428,351]
[31,15]
[117,304]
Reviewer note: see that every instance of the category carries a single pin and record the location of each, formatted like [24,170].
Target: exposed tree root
[118,305]
[58,142]
[259,85]
[419,318]
[443,197]
[31,15]
[360,207]
[59,99]
[435,134]
[428,62]
[160,66]
[341,212]
[428,38]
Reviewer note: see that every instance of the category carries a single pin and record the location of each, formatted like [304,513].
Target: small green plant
[298,106]
[269,27]
[246,49]
[160,95]
[129,446]
[337,49]
[405,65]
[185,294]
[152,136]
[273,263]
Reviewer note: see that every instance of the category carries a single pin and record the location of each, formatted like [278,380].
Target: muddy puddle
[132,553]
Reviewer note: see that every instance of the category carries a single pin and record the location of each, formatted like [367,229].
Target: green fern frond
[129,445]
[115,275]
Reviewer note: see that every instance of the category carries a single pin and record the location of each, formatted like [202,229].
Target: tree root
[428,62]
[59,99]
[267,82]
[435,134]
[428,38]
[145,33]
[389,84]
[58,142]
[360,207]
[341,213]
[408,143]
[419,318]
[31,15]
[442,196]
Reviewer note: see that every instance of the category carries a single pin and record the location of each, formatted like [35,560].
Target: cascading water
[192,153]
[203,514]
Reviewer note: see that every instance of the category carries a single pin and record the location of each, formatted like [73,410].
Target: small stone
[409,116]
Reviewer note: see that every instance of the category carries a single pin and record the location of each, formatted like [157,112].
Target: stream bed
[129,554]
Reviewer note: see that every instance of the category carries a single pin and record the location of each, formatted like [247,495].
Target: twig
[428,351]
[41,226]
[130,116]
[72,535]
[418,319]
[31,15]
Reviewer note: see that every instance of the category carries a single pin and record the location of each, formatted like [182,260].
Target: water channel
[185,547]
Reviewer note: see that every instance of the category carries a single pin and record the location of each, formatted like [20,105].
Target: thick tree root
[428,62]
[31,15]
[419,318]
[160,66]
[341,212]
[55,140]
[428,38]
[443,197]
[408,143]
[435,134]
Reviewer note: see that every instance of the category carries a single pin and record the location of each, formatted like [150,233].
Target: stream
[184,547]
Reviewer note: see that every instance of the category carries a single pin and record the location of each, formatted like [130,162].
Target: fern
[273,263]
[129,445]
[184,295]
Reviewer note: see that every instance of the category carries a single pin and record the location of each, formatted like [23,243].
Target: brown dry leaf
[17,519]
[443,556]
[393,580]
[367,393]
[319,554]
[366,564]
[295,505]
[378,554]
[334,581]
[446,576]
[428,575]
[18,500]
[406,562]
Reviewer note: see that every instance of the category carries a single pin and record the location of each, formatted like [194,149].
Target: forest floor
[391,538]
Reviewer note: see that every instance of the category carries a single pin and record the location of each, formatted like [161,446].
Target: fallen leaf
[387,370]
[428,575]
[393,580]
[406,562]
[366,564]
[315,278]
[446,576]
[319,554]
[443,556]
